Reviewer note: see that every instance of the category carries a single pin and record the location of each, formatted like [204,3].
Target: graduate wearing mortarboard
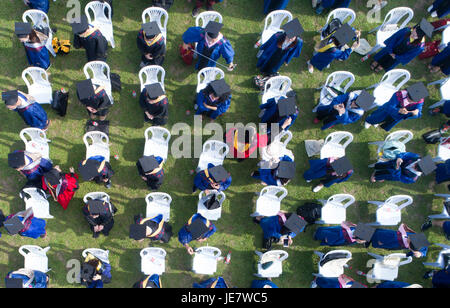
[282,111]
[441,61]
[31,165]
[155,104]
[211,283]
[274,5]
[25,224]
[281,48]
[404,105]
[330,171]
[341,282]
[149,282]
[214,100]
[29,110]
[34,42]
[42,5]
[210,43]
[321,5]
[152,45]
[440,8]
[97,169]
[100,216]
[402,47]
[344,235]
[26,279]
[153,228]
[212,178]
[95,99]
[90,38]
[198,228]
[151,170]
[244,147]
[276,175]
[61,186]
[95,272]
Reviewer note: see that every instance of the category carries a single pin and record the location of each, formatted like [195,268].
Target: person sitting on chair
[212,178]
[198,228]
[280,112]
[151,170]
[252,141]
[96,169]
[151,43]
[344,235]
[154,228]
[275,173]
[214,100]
[95,273]
[212,283]
[24,224]
[26,279]
[441,62]
[330,171]
[155,104]
[94,98]
[34,40]
[149,282]
[100,216]
[31,165]
[91,39]
[341,282]
[61,186]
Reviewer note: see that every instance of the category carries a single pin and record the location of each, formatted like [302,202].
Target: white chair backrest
[396,260]
[277,18]
[403,136]
[204,18]
[95,11]
[273,192]
[35,141]
[208,74]
[157,134]
[216,148]
[341,200]
[153,260]
[284,137]
[334,267]
[35,75]
[36,199]
[340,80]
[35,257]
[395,16]
[152,74]
[37,17]
[102,255]
[157,14]
[273,255]
[96,138]
[339,138]
[97,71]
[343,14]
[220,196]
[158,203]
[396,78]
[96,196]
[400,201]
[209,251]
[278,85]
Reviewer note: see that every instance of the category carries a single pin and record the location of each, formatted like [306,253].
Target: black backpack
[116,84]
[60,102]
[101,126]
[310,212]
[332,27]
[211,203]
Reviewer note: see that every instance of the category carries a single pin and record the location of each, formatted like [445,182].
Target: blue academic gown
[39,280]
[389,239]
[270,109]
[37,55]
[42,5]
[443,172]
[327,4]
[332,236]
[319,168]
[271,227]
[270,47]
[273,5]
[221,48]
[392,285]
[105,272]
[33,227]
[33,115]
[444,12]
[219,284]
[442,56]
[213,114]
[268,175]
[185,237]
[322,59]
[402,174]
[441,279]
[347,118]
[201,181]
[391,109]
[259,284]
[395,40]
[38,170]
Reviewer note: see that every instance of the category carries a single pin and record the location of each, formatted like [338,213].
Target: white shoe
[367,125]
[376,125]
[434,14]
[318,188]
[310,68]
[308,181]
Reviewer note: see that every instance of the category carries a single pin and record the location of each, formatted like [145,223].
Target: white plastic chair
[35,257]
[40,19]
[214,152]
[210,214]
[340,80]
[391,25]
[445,37]
[157,142]
[440,260]
[386,267]
[159,15]
[153,261]
[444,90]
[99,73]
[335,145]
[391,83]
[334,209]
[158,203]
[443,152]
[269,201]
[278,147]
[273,23]
[276,87]
[95,12]
[346,16]
[444,214]
[403,136]
[96,196]
[205,260]
[36,199]
[274,270]
[149,75]
[389,212]
[334,267]
[97,143]
[35,141]
[102,255]
[208,74]
[204,18]
[39,87]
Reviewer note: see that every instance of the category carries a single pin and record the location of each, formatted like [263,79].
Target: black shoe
[256,221]
[426,225]
[95,235]
[108,184]
[195,12]
[428,275]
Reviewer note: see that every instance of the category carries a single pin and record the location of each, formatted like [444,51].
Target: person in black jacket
[151,170]
[99,215]
[97,169]
[155,104]
[152,44]
[91,39]
[95,99]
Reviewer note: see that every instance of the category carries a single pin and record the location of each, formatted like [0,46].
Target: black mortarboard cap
[364,232]
[85,90]
[213,28]
[148,163]
[293,28]
[286,170]
[97,207]
[427,165]
[151,29]
[22,29]
[87,271]
[89,170]
[82,26]
[138,232]
[418,91]
[13,225]
[342,165]
[344,34]
[154,90]
[16,159]
[218,174]
[52,177]
[197,228]
[10,97]
[426,27]
[220,87]
[365,100]
[418,240]
[14,283]
[295,223]
[286,106]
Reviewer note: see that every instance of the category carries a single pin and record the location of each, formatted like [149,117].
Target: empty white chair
[391,25]
[102,255]
[273,23]
[153,261]
[157,142]
[97,143]
[159,15]
[214,152]
[335,145]
[389,212]
[99,72]
[95,12]
[334,209]
[205,260]
[278,147]
[208,74]
[332,264]
[440,260]
[39,19]
[403,136]
[96,196]
[35,257]
[269,201]
[445,214]
[276,268]
[391,83]
[443,152]
[340,81]
[36,199]
[35,141]
[151,74]
[38,85]
[276,87]
[444,90]
[158,204]
[214,214]
[386,267]
[445,37]
[204,18]
[346,16]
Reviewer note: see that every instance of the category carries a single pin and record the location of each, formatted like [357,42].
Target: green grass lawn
[68,233]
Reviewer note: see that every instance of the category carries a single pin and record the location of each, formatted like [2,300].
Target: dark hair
[420,35]
[209,90]
[282,38]
[33,37]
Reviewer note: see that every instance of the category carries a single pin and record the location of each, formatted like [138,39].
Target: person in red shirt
[61,186]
